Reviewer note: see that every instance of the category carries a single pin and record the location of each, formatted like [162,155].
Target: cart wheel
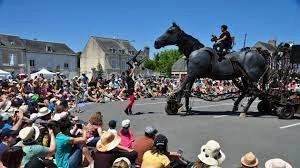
[171,108]
[263,107]
[286,112]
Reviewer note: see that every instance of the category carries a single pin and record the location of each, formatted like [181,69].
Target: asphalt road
[266,136]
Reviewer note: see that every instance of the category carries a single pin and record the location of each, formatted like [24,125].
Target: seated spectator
[69,150]
[8,138]
[29,136]
[122,162]
[43,116]
[127,137]
[40,163]
[144,143]
[12,122]
[277,163]
[108,150]
[112,124]
[94,129]
[211,155]
[157,156]
[249,160]
[12,157]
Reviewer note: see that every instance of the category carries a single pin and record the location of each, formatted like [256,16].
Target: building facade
[55,57]
[111,54]
[25,56]
[12,54]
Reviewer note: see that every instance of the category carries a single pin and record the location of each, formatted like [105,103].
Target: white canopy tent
[4,74]
[47,74]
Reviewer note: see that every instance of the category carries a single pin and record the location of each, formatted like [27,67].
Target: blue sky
[74,21]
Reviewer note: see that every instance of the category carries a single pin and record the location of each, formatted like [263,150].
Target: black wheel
[286,112]
[263,106]
[171,108]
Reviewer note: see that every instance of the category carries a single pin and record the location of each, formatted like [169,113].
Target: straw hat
[108,142]
[123,159]
[249,160]
[43,112]
[211,154]
[277,163]
[29,134]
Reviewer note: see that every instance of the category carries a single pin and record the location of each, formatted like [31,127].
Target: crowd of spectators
[39,130]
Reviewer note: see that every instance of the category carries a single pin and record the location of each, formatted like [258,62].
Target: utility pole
[245,39]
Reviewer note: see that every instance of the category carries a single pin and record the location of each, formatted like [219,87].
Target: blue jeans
[93,142]
[75,159]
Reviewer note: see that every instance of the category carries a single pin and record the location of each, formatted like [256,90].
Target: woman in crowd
[12,157]
[157,157]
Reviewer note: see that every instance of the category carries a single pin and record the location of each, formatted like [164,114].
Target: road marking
[149,103]
[288,126]
[221,116]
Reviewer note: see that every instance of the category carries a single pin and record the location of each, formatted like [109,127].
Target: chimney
[272,42]
[147,51]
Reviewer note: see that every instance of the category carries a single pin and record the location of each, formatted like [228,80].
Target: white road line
[149,103]
[221,116]
[288,126]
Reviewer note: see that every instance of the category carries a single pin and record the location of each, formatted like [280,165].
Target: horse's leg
[180,91]
[187,93]
[238,101]
[246,108]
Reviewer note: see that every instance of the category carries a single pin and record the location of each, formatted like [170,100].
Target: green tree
[99,69]
[164,60]
[149,64]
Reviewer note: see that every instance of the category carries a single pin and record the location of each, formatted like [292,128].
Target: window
[122,51]
[112,50]
[123,64]
[114,64]
[66,65]
[49,48]
[31,63]
[13,60]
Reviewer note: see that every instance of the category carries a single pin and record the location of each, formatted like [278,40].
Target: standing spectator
[144,143]
[8,138]
[108,150]
[127,137]
[249,160]
[277,163]
[157,156]
[211,155]
[12,157]
[85,79]
[112,124]
[29,136]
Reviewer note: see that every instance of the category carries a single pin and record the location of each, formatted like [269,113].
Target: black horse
[202,62]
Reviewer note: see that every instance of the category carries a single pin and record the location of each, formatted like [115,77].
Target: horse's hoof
[242,114]
[235,109]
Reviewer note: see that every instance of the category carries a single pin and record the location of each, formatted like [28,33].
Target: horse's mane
[189,44]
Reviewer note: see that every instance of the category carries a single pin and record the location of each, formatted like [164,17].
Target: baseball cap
[150,130]
[8,132]
[160,140]
[126,123]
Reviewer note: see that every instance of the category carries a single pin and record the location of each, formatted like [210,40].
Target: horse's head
[170,37]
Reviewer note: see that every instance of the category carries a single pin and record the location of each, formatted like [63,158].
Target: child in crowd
[112,127]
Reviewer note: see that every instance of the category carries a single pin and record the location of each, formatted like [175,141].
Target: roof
[179,66]
[11,41]
[41,47]
[118,44]
[265,46]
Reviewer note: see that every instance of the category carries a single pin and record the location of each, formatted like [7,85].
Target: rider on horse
[223,42]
